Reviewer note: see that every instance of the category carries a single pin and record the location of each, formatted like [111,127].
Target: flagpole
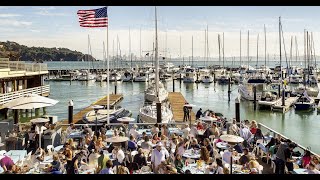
[108,97]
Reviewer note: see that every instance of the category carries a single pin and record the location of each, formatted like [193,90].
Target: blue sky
[58,26]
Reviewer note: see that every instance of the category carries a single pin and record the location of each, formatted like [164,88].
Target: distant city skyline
[59,27]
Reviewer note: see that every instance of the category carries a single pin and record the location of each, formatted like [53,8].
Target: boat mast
[223,50]
[265,50]
[219,50]
[314,52]
[205,47]
[130,48]
[180,50]
[257,51]
[140,50]
[240,50]
[296,48]
[248,50]
[192,51]
[207,44]
[290,53]
[283,98]
[156,56]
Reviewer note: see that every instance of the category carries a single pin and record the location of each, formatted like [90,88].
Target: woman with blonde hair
[253,127]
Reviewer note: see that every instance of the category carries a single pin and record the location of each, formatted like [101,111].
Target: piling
[279,90]
[254,97]
[237,103]
[16,116]
[70,112]
[173,84]
[115,88]
[158,106]
[214,77]
[283,97]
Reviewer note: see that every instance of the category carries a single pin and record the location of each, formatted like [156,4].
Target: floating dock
[177,102]
[114,99]
[289,102]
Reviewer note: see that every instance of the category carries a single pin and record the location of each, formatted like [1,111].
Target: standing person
[76,160]
[281,157]
[185,112]
[245,134]
[39,130]
[159,154]
[199,114]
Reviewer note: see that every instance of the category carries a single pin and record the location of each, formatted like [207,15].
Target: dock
[289,102]
[177,102]
[114,99]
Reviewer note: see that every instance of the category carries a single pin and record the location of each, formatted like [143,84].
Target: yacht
[304,102]
[190,75]
[102,115]
[151,96]
[246,88]
[85,75]
[114,76]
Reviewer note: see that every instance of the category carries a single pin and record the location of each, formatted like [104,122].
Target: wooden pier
[289,102]
[177,102]
[114,99]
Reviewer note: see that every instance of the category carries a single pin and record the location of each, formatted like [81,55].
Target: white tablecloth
[188,154]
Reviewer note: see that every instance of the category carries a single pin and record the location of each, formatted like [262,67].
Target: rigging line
[284,47]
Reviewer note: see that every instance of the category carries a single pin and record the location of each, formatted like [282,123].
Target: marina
[154,114]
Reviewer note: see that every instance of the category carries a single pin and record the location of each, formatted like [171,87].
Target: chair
[260,169]
[256,148]
[145,169]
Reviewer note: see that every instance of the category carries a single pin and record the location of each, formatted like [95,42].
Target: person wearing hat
[158,155]
[133,131]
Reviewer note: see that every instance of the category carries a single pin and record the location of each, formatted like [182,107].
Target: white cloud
[9,15]
[47,11]
[34,30]
[15,23]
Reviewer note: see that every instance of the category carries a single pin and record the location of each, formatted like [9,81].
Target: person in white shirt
[118,154]
[234,129]
[93,158]
[245,134]
[186,131]
[133,131]
[159,154]
[38,130]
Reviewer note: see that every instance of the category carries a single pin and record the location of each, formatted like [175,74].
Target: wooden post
[238,110]
[115,88]
[70,112]
[158,107]
[279,90]
[254,97]
[283,97]
[16,116]
[214,77]
[173,83]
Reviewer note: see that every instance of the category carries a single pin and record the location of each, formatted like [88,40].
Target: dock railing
[275,134]
[23,66]
[4,98]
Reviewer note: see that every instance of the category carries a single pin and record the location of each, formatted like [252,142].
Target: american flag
[93,18]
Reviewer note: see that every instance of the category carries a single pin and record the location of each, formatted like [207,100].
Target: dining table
[191,153]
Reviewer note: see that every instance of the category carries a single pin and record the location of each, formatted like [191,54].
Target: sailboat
[85,75]
[148,113]
[304,102]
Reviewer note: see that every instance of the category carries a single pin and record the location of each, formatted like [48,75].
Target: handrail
[23,66]
[4,98]
[275,133]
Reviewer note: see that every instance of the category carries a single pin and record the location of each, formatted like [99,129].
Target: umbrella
[117,139]
[189,105]
[207,118]
[231,138]
[30,101]
[39,121]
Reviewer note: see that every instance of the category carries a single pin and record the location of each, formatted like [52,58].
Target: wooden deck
[114,99]
[177,101]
